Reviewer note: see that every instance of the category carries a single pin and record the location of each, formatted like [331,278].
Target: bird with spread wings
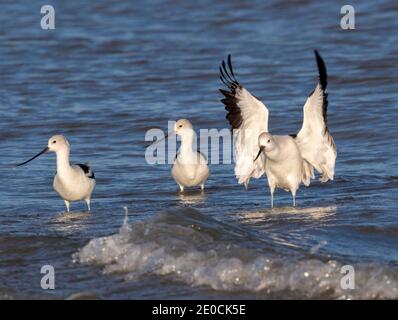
[248,117]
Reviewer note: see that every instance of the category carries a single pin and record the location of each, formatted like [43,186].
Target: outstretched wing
[248,117]
[87,170]
[314,139]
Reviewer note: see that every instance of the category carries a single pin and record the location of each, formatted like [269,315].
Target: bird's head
[182,126]
[57,143]
[266,143]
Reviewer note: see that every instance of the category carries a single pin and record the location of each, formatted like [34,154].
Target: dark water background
[111,71]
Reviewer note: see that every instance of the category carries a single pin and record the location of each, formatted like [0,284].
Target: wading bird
[287,160]
[72,182]
[190,167]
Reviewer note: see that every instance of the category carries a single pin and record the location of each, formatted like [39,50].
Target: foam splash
[183,247]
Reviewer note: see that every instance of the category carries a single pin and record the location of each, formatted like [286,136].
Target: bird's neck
[274,154]
[63,165]
[187,140]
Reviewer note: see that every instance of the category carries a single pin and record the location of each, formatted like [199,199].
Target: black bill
[259,152]
[160,140]
[37,155]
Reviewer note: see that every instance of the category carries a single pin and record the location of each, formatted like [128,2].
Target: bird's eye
[180,126]
[54,141]
[269,141]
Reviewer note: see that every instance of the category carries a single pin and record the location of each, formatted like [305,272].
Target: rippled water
[111,71]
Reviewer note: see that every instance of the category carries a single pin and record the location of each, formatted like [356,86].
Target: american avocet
[286,160]
[190,166]
[72,183]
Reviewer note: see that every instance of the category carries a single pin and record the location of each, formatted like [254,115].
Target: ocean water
[109,72]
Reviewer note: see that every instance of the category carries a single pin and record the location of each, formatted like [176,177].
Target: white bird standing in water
[190,167]
[287,161]
[72,182]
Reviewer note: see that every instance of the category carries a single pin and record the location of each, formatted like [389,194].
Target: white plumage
[287,161]
[72,182]
[190,166]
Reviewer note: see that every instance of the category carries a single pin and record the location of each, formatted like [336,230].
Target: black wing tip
[322,70]
[323,82]
[227,74]
[228,78]
[318,57]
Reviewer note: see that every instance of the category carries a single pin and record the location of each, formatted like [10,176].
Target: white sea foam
[197,255]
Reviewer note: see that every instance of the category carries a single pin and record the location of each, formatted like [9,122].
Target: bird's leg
[67,205]
[272,190]
[294,198]
[202,186]
[181,188]
[88,204]
[272,199]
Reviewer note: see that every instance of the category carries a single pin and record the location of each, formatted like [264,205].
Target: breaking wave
[194,249]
